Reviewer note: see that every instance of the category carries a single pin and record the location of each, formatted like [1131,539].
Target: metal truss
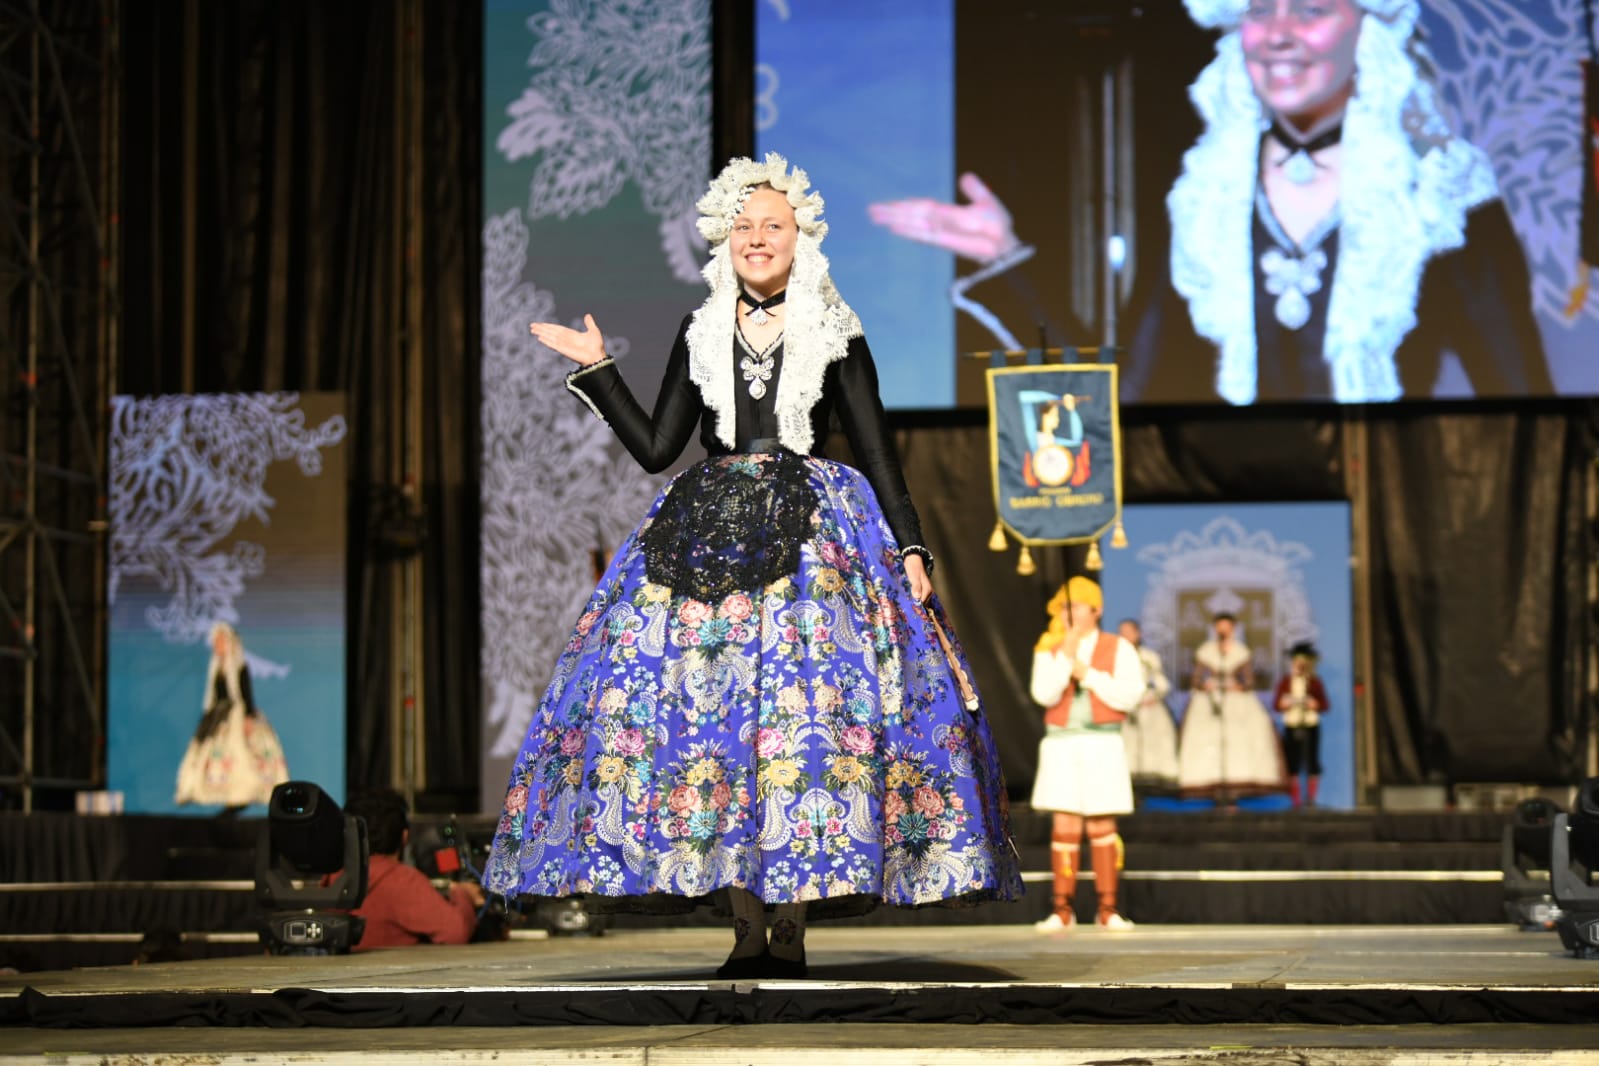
[59,314]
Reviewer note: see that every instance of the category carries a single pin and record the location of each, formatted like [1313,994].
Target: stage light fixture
[308,839]
[1525,860]
[1573,860]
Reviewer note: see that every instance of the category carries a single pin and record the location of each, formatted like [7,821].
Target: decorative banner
[1589,240]
[1054,438]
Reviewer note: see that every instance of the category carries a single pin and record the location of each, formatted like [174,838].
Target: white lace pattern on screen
[1222,557]
[185,471]
[1510,82]
[553,491]
[618,95]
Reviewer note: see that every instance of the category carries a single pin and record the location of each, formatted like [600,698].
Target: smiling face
[1082,616]
[762,241]
[1301,56]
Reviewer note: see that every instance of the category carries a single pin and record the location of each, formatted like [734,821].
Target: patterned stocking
[749,924]
[788,931]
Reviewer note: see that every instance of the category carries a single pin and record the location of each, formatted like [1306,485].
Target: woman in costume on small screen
[234,758]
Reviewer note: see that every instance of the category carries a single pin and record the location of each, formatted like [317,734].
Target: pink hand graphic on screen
[979,230]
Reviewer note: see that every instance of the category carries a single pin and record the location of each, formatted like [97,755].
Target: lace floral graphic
[619,93]
[552,491]
[185,471]
[1510,80]
[1224,558]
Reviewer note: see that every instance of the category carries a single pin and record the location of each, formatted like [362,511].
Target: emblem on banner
[1055,448]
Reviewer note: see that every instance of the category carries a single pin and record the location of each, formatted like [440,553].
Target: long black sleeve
[860,410]
[655,440]
[1492,327]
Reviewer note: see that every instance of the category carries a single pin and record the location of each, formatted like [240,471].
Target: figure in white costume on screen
[234,758]
[1150,732]
[1229,745]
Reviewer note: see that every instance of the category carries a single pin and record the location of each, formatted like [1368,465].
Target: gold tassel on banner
[1094,561]
[1118,538]
[996,539]
[1024,563]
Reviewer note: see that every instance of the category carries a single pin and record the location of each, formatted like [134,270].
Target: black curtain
[261,204]
[1168,455]
[1480,550]
[263,211]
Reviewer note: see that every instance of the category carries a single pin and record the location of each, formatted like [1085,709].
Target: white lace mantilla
[618,96]
[1407,184]
[818,328]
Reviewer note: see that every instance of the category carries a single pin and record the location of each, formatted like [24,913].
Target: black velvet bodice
[757,418]
[1473,301]
[1296,368]
[656,439]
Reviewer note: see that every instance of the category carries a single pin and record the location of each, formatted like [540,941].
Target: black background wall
[262,207]
[276,122]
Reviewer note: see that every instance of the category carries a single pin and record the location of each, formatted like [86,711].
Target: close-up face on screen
[1240,201]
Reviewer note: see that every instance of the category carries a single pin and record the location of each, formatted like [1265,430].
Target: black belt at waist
[767,446]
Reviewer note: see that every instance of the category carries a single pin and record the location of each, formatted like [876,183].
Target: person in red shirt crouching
[402,907]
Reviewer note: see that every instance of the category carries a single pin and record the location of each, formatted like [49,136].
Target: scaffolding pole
[59,188]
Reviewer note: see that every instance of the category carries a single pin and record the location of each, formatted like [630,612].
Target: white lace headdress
[229,665]
[1406,184]
[819,324]
[1226,14]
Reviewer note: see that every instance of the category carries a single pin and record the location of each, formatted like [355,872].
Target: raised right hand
[585,347]
[980,230]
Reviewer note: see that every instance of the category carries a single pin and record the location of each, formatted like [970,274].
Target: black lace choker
[758,308]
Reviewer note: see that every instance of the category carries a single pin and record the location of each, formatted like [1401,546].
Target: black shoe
[746,967]
[786,969]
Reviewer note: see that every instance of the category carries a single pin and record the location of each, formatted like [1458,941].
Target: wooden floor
[1234,994]
[1177,957]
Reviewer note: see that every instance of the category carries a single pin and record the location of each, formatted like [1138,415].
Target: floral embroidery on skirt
[804,739]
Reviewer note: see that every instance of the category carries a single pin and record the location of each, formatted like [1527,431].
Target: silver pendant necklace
[757,368]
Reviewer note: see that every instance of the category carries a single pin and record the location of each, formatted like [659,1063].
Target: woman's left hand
[921,584]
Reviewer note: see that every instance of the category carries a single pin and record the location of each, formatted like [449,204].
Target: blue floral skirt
[806,739]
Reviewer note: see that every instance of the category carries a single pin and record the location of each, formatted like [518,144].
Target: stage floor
[1176,957]
[1236,994]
